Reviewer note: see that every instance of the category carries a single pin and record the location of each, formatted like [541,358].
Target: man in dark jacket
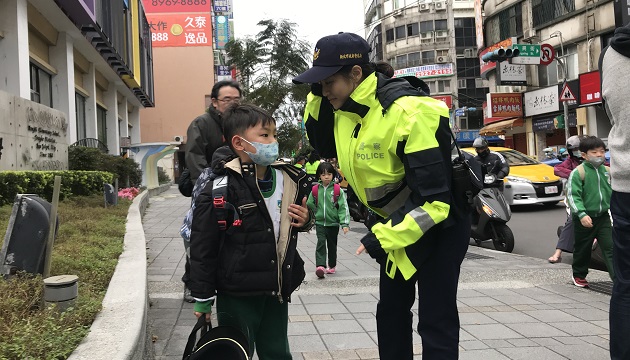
[614,65]
[493,162]
[204,137]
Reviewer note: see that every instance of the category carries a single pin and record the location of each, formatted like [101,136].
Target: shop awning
[499,127]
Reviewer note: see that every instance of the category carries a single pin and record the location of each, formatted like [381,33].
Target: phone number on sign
[178,2]
[434,72]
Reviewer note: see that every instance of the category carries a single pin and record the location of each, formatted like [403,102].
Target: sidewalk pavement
[511,306]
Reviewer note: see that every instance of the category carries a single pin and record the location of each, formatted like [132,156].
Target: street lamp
[562,63]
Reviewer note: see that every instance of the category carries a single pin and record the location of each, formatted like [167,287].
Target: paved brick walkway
[511,306]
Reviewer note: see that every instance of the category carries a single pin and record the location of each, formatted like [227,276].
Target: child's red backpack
[336,193]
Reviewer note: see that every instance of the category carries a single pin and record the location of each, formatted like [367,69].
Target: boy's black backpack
[185,184]
[220,342]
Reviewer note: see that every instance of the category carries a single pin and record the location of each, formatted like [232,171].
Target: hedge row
[73,182]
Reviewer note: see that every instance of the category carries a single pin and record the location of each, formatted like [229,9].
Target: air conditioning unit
[441,33]
[440,5]
[469,53]
[442,59]
[424,7]
[426,35]
[529,34]
[178,138]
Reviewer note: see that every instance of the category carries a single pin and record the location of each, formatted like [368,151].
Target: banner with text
[541,101]
[504,105]
[221,31]
[426,71]
[590,88]
[176,6]
[179,30]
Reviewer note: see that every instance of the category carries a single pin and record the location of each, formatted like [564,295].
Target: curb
[119,330]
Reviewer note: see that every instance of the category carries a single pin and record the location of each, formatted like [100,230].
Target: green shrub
[42,182]
[163,177]
[125,169]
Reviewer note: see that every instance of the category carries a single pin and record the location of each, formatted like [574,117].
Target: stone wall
[34,136]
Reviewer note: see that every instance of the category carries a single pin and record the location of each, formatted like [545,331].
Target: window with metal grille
[400,32]
[413,59]
[545,11]
[441,25]
[412,29]
[443,86]
[389,35]
[505,24]
[426,26]
[79,104]
[401,62]
[428,57]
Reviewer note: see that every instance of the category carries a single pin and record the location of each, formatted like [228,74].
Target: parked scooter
[491,214]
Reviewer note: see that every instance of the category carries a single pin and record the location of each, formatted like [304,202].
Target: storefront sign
[590,88]
[223,70]
[504,105]
[176,6]
[222,7]
[177,30]
[478,24]
[426,71]
[541,101]
[221,31]
[511,74]
[551,123]
[448,99]
[467,135]
[573,89]
[486,67]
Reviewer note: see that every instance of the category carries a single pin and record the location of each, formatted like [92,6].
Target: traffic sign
[528,54]
[547,54]
[567,94]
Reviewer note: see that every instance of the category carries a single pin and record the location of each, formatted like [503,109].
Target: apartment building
[85,63]
[576,31]
[434,41]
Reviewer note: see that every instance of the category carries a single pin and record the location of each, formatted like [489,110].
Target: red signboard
[171,30]
[590,88]
[448,99]
[485,67]
[505,105]
[176,6]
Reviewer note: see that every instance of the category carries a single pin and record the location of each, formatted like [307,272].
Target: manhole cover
[471,256]
[604,287]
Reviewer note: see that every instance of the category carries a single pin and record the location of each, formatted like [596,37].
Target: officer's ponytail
[369,68]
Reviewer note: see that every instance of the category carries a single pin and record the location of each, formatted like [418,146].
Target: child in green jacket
[331,211]
[588,194]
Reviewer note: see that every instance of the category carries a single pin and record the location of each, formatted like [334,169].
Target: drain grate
[471,256]
[604,287]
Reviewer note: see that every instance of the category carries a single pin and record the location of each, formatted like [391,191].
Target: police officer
[393,144]
[493,162]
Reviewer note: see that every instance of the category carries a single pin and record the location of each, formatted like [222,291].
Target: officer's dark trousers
[436,278]
[620,300]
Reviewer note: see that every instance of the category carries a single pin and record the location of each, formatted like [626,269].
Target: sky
[314,19]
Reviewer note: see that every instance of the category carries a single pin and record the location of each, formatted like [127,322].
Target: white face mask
[265,154]
[596,161]
[577,154]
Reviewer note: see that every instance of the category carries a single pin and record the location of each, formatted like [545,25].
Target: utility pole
[565,104]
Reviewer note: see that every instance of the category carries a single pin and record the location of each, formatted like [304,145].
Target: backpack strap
[314,191]
[581,171]
[219,201]
[336,194]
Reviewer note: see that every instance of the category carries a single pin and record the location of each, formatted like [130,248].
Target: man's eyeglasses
[229,99]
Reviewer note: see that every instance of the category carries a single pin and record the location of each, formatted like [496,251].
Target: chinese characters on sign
[221,31]
[171,30]
[505,105]
[542,101]
[223,7]
[511,74]
[448,99]
[176,6]
[426,71]
[590,88]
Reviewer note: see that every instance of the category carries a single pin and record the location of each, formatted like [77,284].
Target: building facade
[90,60]
[573,34]
[434,41]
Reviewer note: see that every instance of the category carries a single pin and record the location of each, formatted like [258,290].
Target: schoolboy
[588,194]
[252,266]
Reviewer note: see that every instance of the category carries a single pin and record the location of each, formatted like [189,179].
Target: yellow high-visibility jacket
[392,143]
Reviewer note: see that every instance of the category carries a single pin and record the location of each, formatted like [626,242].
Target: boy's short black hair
[240,117]
[591,142]
[326,167]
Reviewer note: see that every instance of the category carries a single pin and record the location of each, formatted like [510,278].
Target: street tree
[267,63]
[289,137]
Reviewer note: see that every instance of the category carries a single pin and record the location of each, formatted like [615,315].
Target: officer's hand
[299,213]
[361,249]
